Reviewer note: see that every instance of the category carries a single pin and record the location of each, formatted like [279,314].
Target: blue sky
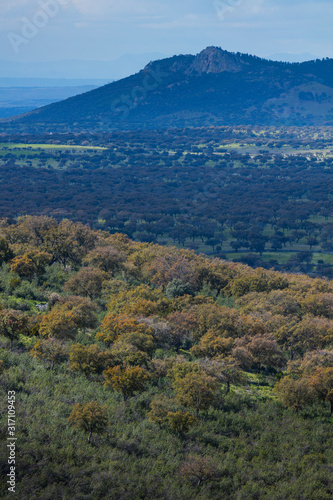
[47,30]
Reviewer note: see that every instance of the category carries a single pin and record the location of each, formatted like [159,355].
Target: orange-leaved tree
[322,382]
[50,350]
[114,326]
[89,417]
[12,324]
[90,359]
[68,316]
[212,345]
[30,264]
[127,381]
[87,282]
[295,393]
[196,390]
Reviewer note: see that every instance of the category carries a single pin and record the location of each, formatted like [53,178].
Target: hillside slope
[136,371]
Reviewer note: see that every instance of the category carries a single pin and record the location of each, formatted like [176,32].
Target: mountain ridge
[214,87]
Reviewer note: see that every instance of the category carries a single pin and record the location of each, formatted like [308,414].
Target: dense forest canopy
[258,195]
[147,371]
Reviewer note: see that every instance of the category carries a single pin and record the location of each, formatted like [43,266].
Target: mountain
[215,87]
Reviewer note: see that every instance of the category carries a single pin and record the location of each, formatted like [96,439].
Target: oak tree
[89,417]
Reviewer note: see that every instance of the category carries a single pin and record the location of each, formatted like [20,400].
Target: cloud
[105,8]
[104,29]
[95,8]
[13,4]
[189,21]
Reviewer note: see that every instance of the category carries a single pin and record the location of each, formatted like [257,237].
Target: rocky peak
[215,60]
[210,60]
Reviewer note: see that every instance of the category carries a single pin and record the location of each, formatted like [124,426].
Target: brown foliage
[87,282]
[50,350]
[90,359]
[196,390]
[114,326]
[295,394]
[212,345]
[90,418]
[127,381]
[12,324]
[264,350]
[68,316]
[106,258]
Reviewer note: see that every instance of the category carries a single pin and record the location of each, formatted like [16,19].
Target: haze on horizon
[89,31]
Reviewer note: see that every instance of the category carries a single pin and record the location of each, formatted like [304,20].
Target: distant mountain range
[286,57]
[78,69]
[214,87]
[51,82]
[22,99]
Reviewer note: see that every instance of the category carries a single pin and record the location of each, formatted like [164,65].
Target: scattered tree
[90,359]
[199,469]
[50,350]
[90,418]
[295,394]
[196,390]
[127,381]
[12,324]
[87,282]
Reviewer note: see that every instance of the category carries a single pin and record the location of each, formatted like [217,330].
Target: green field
[50,146]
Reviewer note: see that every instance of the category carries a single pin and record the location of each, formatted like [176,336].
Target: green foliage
[29,291]
[28,342]
[177,288]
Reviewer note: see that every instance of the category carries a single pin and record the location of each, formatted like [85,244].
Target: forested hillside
[143,371]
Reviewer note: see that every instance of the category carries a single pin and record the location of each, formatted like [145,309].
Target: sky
[105,30]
